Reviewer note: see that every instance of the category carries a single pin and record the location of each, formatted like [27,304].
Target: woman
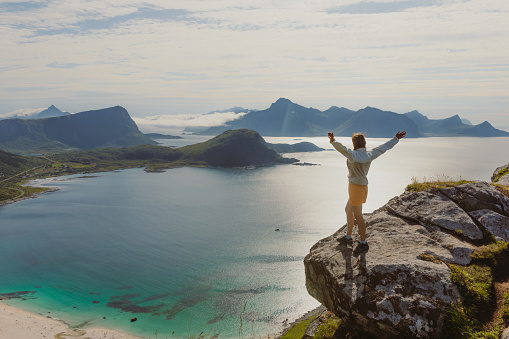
[358,162]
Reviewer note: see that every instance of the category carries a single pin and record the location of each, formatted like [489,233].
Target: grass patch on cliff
[477,316]
[494,255]
[465,319]
[329,326]
[441,181]
[505,310]
[298,330]
[475,284]
[431,258]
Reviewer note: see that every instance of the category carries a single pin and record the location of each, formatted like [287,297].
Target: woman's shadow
[355,271]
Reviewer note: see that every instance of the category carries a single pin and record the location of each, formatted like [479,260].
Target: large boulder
[434,209]
[401,287]
[391,291]
[497,224]
[478,195]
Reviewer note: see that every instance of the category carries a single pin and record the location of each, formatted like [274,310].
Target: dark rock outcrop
[501,175]
[401,287]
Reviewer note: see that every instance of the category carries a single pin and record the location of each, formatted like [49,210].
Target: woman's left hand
[331,137]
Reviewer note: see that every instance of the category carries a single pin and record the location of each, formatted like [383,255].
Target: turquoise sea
[196,250]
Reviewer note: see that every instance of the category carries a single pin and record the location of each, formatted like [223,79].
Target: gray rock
[504,180]
[460,252]
[505,334]
[389,291]
[497,224]
[478,195]
[434,209]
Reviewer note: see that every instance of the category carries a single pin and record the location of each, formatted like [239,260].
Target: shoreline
[310,315]
[18,323]
[32,196]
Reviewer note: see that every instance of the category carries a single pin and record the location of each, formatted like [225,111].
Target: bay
[195,250]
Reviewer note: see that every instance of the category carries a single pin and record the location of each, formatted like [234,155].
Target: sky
[188,57]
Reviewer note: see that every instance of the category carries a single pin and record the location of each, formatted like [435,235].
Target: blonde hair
[358,141]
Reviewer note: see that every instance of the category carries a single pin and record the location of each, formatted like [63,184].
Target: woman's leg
[357,213]
[349,218]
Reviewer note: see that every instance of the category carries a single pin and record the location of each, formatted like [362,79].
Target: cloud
[22,113]
[62,65]
[372,7]
[396,54]
[180,121]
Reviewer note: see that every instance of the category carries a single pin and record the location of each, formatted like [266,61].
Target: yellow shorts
[357,194]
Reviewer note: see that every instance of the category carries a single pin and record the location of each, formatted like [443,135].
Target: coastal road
[19,174]
[28,170]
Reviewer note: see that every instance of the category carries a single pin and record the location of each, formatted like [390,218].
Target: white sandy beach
[19,324]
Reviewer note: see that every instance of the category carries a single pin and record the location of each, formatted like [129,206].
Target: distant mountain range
[109,127]
[285,118]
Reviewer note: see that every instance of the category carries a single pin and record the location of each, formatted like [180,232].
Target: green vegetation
[505,310]
[501,173]
[299,329]
[329,325]
[14,169]
[495,255]
[464,319]
[430,257]
[476,285]
[440,182]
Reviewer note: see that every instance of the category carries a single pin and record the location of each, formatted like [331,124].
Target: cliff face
[393,290]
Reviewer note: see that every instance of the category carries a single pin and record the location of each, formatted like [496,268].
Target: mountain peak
[51,112]
[283,100]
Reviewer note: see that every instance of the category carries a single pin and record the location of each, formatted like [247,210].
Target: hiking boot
[344,241]
[361,248]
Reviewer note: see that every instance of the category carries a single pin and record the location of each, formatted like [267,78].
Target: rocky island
[437,267]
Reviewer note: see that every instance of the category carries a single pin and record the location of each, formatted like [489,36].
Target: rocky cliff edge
[394,290]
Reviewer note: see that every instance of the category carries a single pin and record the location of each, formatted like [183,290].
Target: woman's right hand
[400,135]
[331,137]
